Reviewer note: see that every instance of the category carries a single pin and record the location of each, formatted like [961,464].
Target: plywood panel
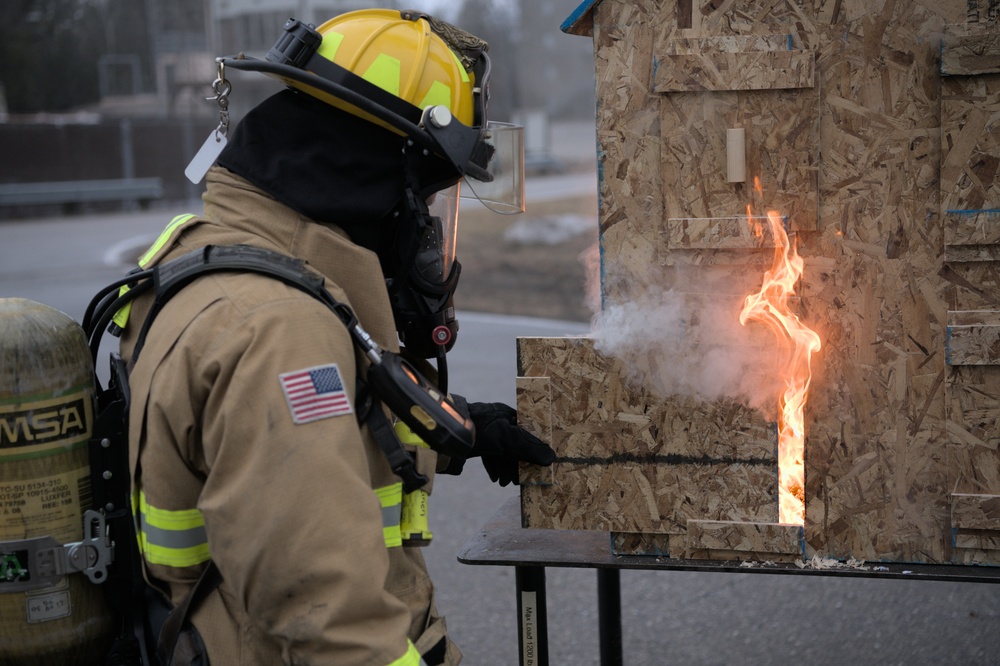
[970,140]
[782,152]
[889,177]
[628,136]
[753,70]
[964,55]
[645,464]
[973,338]
[971,236]
[717,233]
[975,512]
[974,430]
[975,520]
[710,539]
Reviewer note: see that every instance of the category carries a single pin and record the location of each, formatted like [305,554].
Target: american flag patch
[315,393]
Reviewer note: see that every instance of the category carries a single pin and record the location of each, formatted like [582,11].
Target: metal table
[503,542]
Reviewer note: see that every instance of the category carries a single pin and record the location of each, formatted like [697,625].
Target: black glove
[500,442]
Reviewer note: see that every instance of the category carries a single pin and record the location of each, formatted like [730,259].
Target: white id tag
[205,157]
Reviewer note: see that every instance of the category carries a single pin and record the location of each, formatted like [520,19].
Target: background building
[119,91]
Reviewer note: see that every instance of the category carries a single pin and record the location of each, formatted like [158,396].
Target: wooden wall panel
[645,465]
[720,540]
[628,138]
[970,204]
[889,176]
[753,70]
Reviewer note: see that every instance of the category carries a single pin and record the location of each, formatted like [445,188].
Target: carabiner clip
[221,87]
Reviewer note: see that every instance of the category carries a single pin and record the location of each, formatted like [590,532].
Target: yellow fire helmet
[405,70]
[401,54]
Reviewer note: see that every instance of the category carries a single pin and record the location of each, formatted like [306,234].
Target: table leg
[532,629]
[609,616]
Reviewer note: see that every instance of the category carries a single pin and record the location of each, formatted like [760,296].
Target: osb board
[974,430]
[876,481]
[973,448]
[782,152]
[981,227]
[631,543]
[728,44]
[748,70]
[711,17]
[628,140]
[596,412]
[716,233]
[975,521]
[970,54]
[728,540]
[643,464]
[875,286]
[970,204]
[975,512]
[973,338]
[534,414]
[650,498]
[970,141]
[971,285]
[971,236]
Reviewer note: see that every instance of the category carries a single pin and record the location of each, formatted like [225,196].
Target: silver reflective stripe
[390,498]
[391,515]
[175,539]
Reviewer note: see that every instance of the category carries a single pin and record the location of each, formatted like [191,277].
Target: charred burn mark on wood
[670,459]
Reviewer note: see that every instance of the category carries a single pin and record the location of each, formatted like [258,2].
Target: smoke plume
[686,340]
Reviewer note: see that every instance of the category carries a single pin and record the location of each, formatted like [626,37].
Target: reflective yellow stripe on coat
[171,538]
[121,317]
[391,500]
[178,538]
[411,658]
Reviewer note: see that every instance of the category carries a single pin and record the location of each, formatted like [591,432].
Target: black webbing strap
[334,73]
[170,634]
[170,277]
[399,460]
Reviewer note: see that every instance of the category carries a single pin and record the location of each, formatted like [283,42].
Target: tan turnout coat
[290,512]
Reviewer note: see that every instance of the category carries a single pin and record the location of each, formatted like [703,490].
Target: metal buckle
[31,564]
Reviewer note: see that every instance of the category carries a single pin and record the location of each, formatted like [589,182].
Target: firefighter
[246,447]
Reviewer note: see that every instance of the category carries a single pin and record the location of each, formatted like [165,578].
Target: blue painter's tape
[578,13]
[947,345]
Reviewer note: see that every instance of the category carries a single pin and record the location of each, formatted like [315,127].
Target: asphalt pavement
[668,617]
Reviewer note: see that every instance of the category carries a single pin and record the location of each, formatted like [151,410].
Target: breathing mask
[422,294]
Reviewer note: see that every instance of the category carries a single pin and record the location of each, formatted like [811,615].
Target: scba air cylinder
[46,417]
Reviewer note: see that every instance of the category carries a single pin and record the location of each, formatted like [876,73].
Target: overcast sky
[448,9]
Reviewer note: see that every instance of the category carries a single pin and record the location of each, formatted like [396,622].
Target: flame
[798,342]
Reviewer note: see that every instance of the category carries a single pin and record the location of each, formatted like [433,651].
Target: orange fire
[797,342]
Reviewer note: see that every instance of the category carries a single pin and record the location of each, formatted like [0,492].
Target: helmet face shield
[504,191]
[443,207]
